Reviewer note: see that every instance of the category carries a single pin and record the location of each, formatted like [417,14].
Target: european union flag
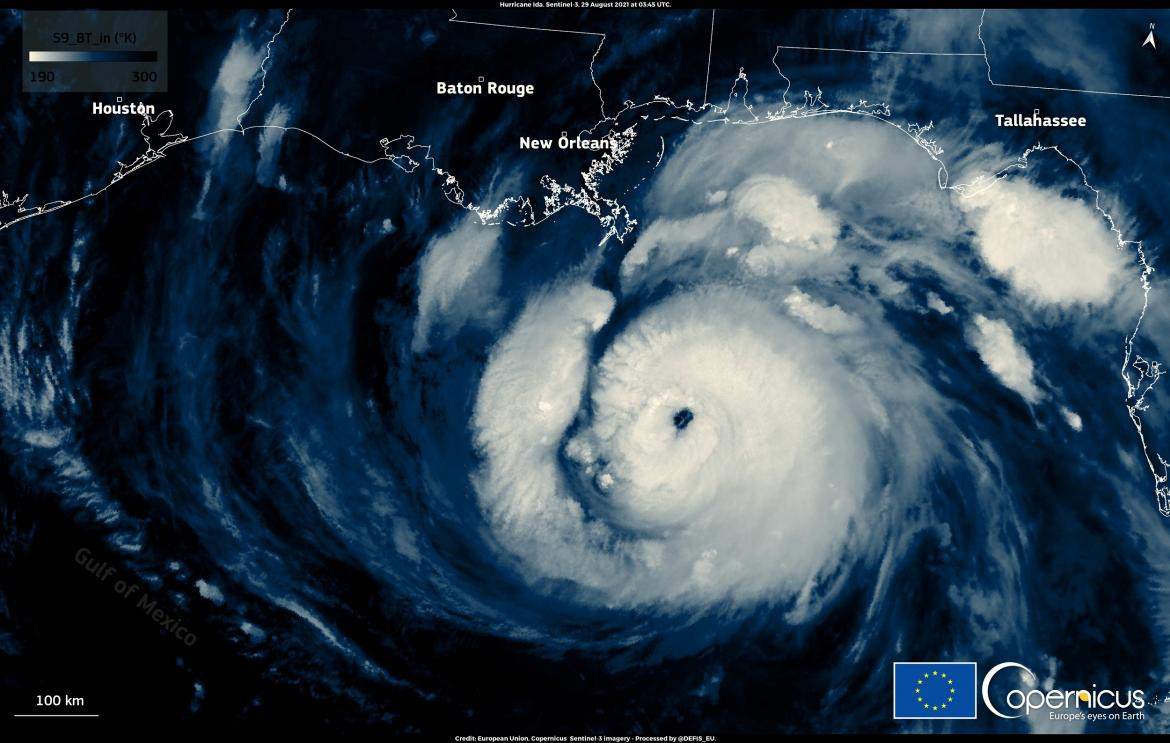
[934,691]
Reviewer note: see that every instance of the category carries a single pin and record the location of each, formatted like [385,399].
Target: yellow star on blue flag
[941,690]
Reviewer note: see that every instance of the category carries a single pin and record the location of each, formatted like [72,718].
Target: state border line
[986,61]
[710,50]
[456,19]
[875,51]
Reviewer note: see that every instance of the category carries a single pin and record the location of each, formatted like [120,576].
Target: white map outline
[590,199]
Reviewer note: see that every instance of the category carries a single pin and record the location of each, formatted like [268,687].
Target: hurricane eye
[683,418]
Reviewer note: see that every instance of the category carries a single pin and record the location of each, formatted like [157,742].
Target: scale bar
[55,715]
[98,56]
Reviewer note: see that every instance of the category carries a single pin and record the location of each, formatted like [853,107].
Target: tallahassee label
[1036,119]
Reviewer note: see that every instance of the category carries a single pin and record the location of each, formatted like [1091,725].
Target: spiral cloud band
[700,473]
[722,428]
[701,430]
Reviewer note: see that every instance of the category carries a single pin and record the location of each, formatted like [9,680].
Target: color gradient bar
[100,56]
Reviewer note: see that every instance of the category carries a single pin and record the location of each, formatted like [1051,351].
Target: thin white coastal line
[589,196]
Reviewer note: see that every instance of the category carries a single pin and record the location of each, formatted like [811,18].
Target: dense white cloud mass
[789,214]
[767,420]
[1004,356]
[233,87]
[268,142]
[714,450]
[1074,421]
[458,279]
[722,446]
[775,224]
[672,240]
[823,317]
[936,303]
[1052,249]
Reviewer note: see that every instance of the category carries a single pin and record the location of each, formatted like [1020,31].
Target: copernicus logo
[1097,703]
[935,691]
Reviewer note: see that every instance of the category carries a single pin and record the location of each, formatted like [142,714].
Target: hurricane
[714,442]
